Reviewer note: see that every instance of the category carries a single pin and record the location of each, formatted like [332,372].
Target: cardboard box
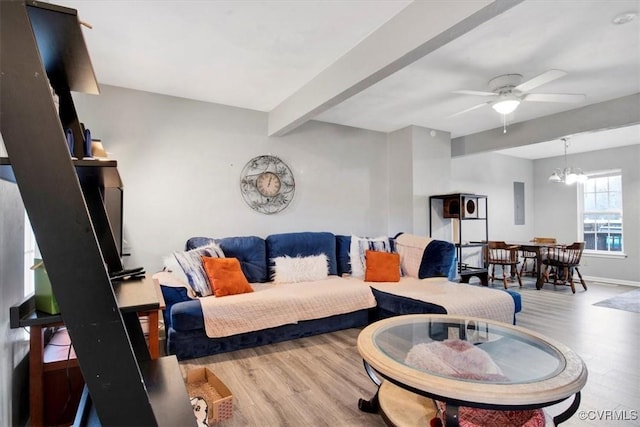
[45,300]
[202,383]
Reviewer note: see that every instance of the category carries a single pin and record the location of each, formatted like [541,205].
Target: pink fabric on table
[461,359]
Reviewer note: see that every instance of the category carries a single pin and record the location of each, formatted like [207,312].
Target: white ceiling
[256,54]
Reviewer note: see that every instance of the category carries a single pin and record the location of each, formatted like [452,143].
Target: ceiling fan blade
[554,97]
[469,109]
[541,79]
[474,92]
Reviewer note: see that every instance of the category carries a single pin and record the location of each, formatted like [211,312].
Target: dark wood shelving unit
[456,207]
[42,47]
[103,190]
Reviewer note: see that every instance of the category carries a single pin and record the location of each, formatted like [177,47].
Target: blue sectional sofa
[183,315]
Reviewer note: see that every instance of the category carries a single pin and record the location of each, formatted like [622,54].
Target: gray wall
[493,175]
[551,210]
[419,167]
[14,343]
[431,174]
[180,161]
[400,148]
[556,205]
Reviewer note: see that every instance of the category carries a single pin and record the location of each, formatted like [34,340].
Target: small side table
[41,366]
[153,319]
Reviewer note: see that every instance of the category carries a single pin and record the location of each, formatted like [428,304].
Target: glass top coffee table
[470,362]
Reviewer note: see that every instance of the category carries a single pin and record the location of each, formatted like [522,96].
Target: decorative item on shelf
[45,299]
[70,143]
[451,207]
[56,99]
[267,184]
[567,175]
[88,155]
[98,151]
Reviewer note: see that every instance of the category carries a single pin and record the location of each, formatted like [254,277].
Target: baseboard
[612,281]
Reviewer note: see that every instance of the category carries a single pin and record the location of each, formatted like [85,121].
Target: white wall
[419,167]
[14,383]
[400,148]
[493,175]
[431,175]
[556,208]
[180,161]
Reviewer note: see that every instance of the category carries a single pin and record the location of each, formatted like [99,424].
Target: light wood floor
[317,381]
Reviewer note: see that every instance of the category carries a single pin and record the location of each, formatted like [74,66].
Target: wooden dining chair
[565,260]
[528,256]
[504,255]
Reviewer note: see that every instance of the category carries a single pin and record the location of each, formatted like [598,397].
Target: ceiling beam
[605,115]
[420,28]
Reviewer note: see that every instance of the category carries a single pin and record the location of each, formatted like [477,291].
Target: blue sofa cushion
[437,259]
[343,258]
[303,244]
[249,250]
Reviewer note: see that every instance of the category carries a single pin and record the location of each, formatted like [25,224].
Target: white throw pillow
[358,248]
[300,269]
[171,265]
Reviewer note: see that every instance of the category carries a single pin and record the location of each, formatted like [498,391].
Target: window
[602,212]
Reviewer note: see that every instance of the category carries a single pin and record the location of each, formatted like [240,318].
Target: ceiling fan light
[506,106]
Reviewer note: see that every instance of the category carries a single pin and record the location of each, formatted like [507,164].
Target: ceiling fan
[508,91]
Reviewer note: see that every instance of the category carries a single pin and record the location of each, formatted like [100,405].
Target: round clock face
[267,184]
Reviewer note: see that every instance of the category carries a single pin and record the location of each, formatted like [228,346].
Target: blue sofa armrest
[172,295]
[187,316]
[517,302]
[437,260]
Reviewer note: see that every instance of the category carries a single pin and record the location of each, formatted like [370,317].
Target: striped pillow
[359,246]
[191,263]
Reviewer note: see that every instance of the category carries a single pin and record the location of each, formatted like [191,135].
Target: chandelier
[568,176]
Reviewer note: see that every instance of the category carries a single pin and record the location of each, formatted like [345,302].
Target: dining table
[540,249]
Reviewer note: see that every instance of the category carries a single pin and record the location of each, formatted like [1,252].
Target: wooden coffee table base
[400,407]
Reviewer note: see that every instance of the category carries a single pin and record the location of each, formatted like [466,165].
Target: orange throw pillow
[225,276]
[382,267]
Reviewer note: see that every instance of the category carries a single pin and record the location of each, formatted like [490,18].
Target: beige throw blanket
[456,298]
[166,278]
[411,248]
[273,305]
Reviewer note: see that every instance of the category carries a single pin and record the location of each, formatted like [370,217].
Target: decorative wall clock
[267,184]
